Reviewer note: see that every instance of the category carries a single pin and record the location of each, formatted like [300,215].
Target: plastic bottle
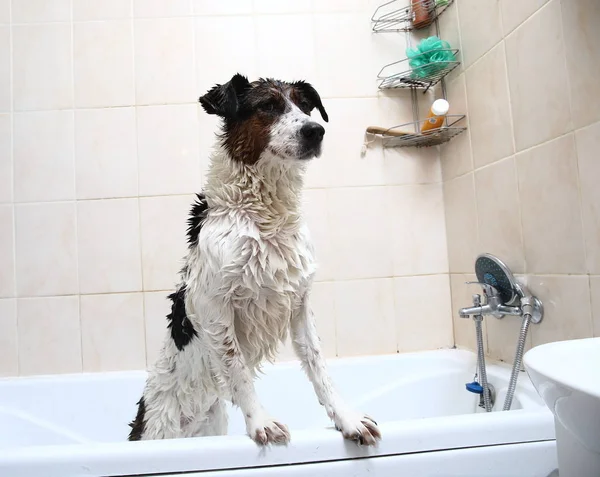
[436,115]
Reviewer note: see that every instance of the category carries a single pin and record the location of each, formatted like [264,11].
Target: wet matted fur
[247,275]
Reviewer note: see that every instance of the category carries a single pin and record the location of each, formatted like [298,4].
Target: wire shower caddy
[397,16]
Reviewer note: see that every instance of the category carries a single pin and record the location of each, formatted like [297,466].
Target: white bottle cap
[440,107]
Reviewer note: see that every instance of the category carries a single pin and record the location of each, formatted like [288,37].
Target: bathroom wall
[521,183]
[103,144]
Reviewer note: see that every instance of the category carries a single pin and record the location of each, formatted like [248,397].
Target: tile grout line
[13,206]
[137,198]
[75,202]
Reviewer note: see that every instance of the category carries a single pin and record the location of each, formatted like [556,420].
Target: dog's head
[267,116]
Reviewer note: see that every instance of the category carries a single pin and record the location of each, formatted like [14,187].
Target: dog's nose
[313,132]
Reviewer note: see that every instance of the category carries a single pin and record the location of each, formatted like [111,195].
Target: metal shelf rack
[397,16]
[406,16]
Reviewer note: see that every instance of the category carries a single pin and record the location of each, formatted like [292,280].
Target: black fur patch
[139,423]
[182,330]
[196,219]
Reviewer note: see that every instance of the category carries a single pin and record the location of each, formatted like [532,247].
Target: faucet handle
[488,290]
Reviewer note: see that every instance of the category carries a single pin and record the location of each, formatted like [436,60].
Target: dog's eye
[268,107]
[305,106]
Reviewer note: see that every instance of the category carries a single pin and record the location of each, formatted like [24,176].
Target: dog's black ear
[223,99]
[310,93]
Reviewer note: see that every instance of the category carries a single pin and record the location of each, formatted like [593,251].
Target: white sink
[566,375]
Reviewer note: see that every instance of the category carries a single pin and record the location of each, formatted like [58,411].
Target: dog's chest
[268,285]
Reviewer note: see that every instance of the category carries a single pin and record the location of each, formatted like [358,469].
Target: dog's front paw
[264,430]
[359,428]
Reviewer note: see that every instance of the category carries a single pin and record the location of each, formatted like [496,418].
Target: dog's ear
[223,99]
[310,93]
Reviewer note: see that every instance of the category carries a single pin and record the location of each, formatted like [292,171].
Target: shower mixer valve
[502,295]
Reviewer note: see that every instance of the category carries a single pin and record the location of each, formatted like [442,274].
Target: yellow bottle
[436,115]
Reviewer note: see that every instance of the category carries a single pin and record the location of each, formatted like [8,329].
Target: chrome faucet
[503,295]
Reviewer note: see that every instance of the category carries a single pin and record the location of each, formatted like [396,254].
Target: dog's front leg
[237,378]
[353,425]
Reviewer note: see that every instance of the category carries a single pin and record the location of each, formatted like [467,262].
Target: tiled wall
[102,144]
[522,182]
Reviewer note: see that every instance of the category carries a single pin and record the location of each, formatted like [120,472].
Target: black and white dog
[247,276]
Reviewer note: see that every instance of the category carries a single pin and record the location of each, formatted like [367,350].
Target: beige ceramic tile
[5,11]
[350,49]
[105,10]
[164,61]
[462,296]
[480,28]
[274,6]
[9,358]
[567,313]
[451,33]
[161,8]
[588,145]
[177,141]
[278,34]
[33,11]
[499,214]
[323,307]
[365,317]
[44,169]
[502,337]
[538,78]
[46,249]
[156,308]
[109,246]
[455,156]
[226,55]
[362,243]
[106,169]
[516,12]
[42,66]
[419,230]
[423,315]
[232,7]
[163,227]
[316,214]
[322,302]
[582,36]
[7,252]
[595,291]
[551,212]
[489,108]
[5,70]
[461,223]
[112,332]
[110,44]
[49,335]
[6,163]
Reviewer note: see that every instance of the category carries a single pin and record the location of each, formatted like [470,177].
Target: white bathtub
[76,425]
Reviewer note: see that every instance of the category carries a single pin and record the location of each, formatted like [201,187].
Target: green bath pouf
[431,56]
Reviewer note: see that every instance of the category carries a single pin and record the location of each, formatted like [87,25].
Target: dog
[247,276]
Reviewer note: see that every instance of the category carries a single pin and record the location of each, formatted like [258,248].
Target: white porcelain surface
[33,11]
[9,358]
[566,376]
[105,10]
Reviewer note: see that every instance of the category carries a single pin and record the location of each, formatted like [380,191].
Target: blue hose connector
[474,387]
